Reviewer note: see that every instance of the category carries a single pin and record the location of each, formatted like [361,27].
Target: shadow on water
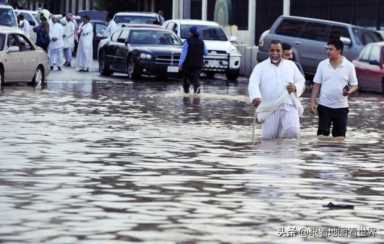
[117,161]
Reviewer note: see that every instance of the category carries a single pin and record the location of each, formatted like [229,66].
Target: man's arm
[183,54]
[299,81]
[253,87]
[353,82]
[315,93]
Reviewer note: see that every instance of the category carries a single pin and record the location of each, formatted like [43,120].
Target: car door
[13,60]
[109,48]
[30,59]
[312,49]
[99,30]
[374,71]
[122,51]
[362,65]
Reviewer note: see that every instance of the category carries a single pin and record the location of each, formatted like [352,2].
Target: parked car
[370,68]
[141,50]
[20,59]
[7,16]
[308,38]
[223,56]
[124,18]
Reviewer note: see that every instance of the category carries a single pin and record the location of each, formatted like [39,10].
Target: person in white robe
[111,28]
[69,39]
[24,25]
[56,43]
[85,47]
[274,87]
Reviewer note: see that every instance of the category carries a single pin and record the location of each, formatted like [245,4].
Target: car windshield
[209,33]
[2,40]
[37,17]
[132,19]
[153,37]
[7,17]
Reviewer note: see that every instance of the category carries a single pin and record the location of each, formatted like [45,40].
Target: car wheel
[232,75]
[210,75]
[38,78]
[1,78]
[104,66]
[134,72]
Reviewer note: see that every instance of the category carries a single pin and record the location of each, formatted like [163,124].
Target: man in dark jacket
[192,60]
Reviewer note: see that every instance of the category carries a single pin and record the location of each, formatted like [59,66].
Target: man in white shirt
[69,39]
[56,43]
[336,80]
[24,25]
[85,48]
[274,87]
[112,26]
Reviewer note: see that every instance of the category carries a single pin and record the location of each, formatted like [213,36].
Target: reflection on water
[117,162]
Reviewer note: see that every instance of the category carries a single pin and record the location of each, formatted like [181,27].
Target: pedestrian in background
[161,15]
[69,39]
[192,60]
[56,44]
[112,26]
[274,87]
[335,80]
[42,33]
[85,48]
[24,25]
[289,55]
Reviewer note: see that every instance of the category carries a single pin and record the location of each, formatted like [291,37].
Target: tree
[113,6]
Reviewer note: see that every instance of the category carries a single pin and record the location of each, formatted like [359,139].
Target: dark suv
[308,38]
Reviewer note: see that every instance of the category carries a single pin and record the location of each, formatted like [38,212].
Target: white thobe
[56,43]
[269,82]
[25,27]
[85,48]
[111,28]
[69,33]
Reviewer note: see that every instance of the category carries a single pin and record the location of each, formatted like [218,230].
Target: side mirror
[13,49]
[347,41]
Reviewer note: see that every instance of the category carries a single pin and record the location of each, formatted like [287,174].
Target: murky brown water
[104,162]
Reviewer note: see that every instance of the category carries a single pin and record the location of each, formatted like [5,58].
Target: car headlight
[233,50]
[145,56]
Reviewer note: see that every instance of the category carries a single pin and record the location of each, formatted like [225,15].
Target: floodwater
[120,162]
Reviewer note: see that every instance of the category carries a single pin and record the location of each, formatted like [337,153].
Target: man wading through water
[192,60]
[274,87]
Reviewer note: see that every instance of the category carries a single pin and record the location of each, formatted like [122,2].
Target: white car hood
[219,45]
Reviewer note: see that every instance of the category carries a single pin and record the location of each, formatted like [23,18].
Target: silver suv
[308,38]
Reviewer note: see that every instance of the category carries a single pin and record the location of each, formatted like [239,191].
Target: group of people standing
[276,84]
[57,36]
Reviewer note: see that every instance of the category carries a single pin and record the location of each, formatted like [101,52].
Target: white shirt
[56,32]
[69,32]
[111,28]
[269,82]
[25,27]
[333,81]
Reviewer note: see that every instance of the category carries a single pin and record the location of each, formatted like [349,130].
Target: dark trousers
[191,76]
[335,117]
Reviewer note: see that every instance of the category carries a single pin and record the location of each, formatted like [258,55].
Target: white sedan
[20,59]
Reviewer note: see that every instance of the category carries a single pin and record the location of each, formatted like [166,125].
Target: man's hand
[291,88]
[312,106]
[256,102]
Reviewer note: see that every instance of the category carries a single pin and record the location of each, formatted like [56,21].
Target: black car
[137,51]
[99,28]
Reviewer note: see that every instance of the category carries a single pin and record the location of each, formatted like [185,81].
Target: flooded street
[118,162]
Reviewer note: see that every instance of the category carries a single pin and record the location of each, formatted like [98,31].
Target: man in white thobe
[85,48]
[69,39]
[56,44]
[274,87]
[24,25]
[111,28]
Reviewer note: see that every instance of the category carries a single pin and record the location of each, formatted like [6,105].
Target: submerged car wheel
[133,71]
[1,78]
[232,75]
[38,78]
[104,66]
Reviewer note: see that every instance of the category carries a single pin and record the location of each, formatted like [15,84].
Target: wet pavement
[112,161]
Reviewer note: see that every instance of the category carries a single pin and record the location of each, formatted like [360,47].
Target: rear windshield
[153,37]
[364,36]
[7,17]
[132,19]
[208,33]
[2,40]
